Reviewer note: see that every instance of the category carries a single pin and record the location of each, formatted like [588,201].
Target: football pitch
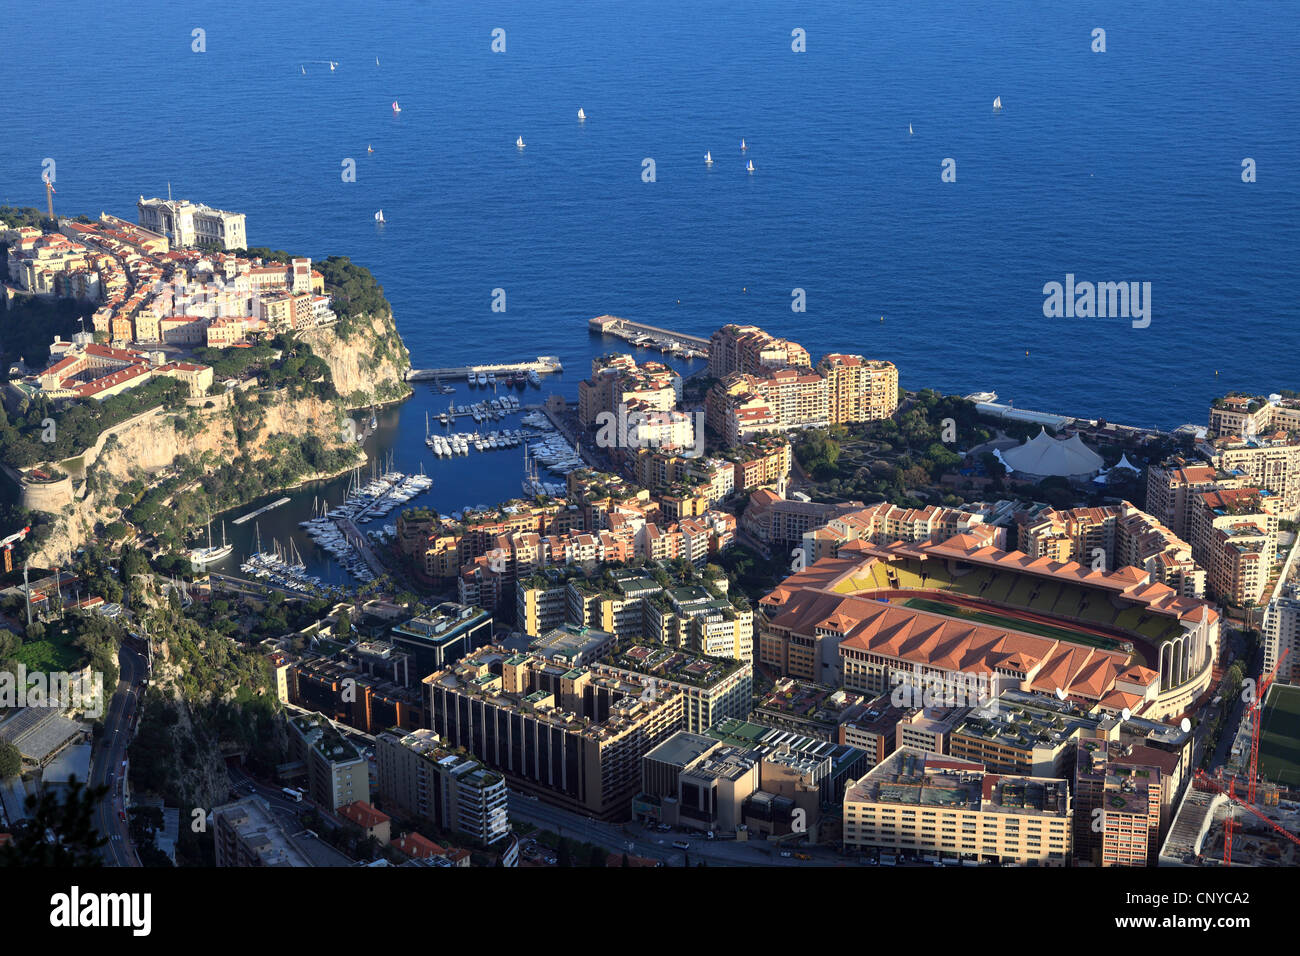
[1279,736]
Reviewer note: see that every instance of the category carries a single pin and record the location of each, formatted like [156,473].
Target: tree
[11,761]
[68,816]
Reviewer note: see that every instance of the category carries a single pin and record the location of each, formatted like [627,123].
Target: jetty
[650,336]
[262,510]
[542,365]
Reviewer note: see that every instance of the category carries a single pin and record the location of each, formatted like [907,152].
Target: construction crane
[1257,714]
[8,545]
[1206,781]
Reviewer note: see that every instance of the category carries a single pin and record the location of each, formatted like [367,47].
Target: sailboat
[581,114]
[750,167]
[396,108]
[202,557]
[909,129]
[379,216]
[304,70]
[997,104]
[519,142]
[708,159]
[743,147]
[332,65]
[369,148]
[376,61]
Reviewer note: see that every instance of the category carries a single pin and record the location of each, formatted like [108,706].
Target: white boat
[376,61]
[581,114]
[482,378]
[997,104]
[909,129]
[750,167]
[332,65]
[379,216]
[396,108]
[304,70]
[369,148]
[743,147]
[519,142]
[708,159]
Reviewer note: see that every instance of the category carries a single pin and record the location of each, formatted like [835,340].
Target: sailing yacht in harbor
[202,557]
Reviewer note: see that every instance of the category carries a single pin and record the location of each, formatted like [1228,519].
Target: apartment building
[939,806]
[1249,415]
[571,736]
[1234,537]
[883,523]
[1112,537]
[1282,634]
[337,773]
[247,833]
[420,777]
[748,349]
[1117,807]
[1171,486]
[1269,461]
[710,689]
[859,389]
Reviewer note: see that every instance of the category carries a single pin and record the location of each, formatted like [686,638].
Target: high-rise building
[337,773]
[420,777]
[859,389]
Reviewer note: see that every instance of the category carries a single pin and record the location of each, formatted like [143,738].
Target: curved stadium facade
[958,607]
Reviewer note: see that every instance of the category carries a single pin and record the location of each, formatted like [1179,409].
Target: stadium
[958,605]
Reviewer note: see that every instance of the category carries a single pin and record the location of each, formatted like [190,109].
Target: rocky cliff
[366,356]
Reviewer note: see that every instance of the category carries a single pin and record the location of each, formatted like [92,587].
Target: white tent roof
[1044,455]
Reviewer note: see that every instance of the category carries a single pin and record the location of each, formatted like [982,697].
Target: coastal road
[106,760]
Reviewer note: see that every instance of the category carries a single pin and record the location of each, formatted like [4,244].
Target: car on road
[681,845]
[786,853]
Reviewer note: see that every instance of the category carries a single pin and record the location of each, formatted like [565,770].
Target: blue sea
[1117,166]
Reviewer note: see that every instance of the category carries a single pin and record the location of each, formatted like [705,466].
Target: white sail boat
[743,147]
[997,104]
[304,70]
[376,61]
[396,108]
[369,148]
[519,142]
[708,159]
[909,129]
[379,216]
[581,114]
[750,167]
[332,65]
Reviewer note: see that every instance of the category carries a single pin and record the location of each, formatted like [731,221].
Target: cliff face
[153,442]
[366,356]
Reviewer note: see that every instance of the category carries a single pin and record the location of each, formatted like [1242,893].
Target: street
[106,760]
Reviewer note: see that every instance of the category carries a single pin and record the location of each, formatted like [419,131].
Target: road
[106,760]
[635,840]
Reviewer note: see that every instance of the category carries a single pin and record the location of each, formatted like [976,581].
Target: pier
[650,336]
[542,365]
[262,510]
